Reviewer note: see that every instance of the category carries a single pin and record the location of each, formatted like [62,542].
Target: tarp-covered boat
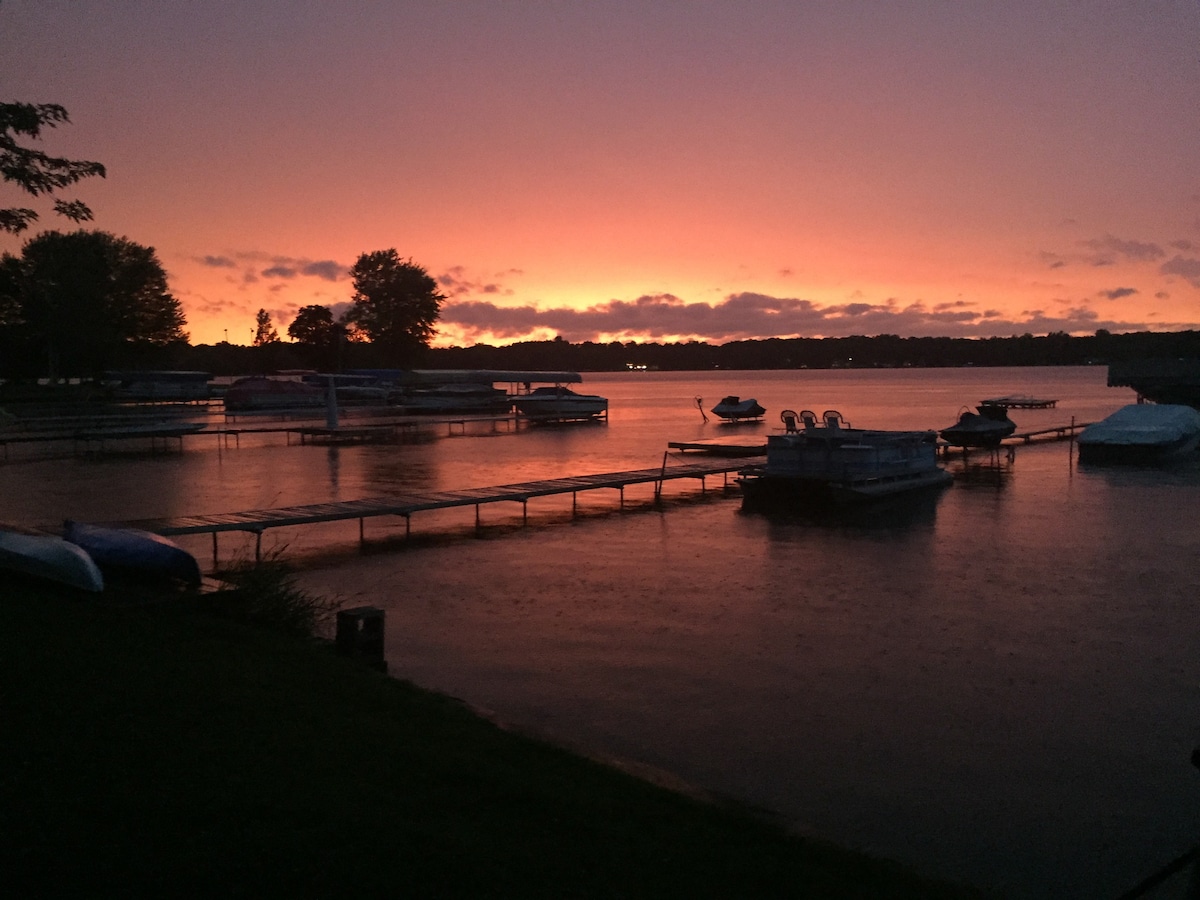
[735,409]
[985,428]
[49,557]
[135,552]
[259,393]
[1142,433]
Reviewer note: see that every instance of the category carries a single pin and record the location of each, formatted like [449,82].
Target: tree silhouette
[396,304]
[82,298]
[313,326]
[264,332]
[35,171]
[320,337]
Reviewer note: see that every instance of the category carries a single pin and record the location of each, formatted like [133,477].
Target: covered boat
[256,393]
[735,409]
[560,404]
[985,428]
[458,398]
[51,558]
[134,552]
[1142,433]
[827,462]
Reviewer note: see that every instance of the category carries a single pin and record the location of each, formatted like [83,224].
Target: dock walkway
[259,520]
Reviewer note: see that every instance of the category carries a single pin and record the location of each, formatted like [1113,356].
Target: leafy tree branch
[35,172]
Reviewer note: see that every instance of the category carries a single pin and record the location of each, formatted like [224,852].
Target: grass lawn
[153,749]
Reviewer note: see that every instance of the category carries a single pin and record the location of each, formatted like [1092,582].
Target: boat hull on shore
[49,558]
[134,552]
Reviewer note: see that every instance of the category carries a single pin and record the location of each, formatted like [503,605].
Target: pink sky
[642,171]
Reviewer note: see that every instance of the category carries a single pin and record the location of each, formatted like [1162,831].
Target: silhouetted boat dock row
[259,520]
[164,436]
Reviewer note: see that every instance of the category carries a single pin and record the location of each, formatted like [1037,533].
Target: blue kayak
[134,551]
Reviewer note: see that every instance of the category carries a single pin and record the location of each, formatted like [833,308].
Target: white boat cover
[1144,424]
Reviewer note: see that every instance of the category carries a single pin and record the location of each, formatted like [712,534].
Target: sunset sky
[657,170]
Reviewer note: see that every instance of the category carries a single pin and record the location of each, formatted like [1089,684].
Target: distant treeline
[882,351]
[888,350]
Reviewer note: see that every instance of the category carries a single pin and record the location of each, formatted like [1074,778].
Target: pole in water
[700,406]
[331,408]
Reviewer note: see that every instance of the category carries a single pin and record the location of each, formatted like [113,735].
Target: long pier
[257,521]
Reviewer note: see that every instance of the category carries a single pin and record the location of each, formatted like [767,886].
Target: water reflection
[917,509]
[997,683]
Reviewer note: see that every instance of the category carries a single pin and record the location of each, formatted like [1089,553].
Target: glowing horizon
[695,171]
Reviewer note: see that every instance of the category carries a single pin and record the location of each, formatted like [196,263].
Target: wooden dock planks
[256,521]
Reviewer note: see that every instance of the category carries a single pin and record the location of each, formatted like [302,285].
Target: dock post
[360,634]
[331,407]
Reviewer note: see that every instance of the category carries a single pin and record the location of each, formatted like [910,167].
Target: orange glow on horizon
[803,170]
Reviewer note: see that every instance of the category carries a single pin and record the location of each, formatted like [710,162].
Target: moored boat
[559,403]
[827,462]
[1142,433]
[257,393]
[985,428]
[735,409]
[458,398]
[134,552]
[51,558]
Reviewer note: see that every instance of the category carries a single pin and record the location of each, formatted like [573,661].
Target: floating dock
[1019,403]
[749,446]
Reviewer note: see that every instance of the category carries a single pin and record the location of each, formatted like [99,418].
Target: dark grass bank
[152,749]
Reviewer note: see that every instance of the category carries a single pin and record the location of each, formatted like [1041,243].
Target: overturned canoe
[50,558]
[134,551]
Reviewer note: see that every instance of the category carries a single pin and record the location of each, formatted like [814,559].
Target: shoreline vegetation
[856,352]
[154,745]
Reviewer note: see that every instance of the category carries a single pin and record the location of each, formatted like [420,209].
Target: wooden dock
[1054,433]
[259,520]
[750,446]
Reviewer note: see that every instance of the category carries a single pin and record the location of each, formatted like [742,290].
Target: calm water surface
[999,684]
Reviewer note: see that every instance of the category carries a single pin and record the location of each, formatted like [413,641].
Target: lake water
[998,683]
